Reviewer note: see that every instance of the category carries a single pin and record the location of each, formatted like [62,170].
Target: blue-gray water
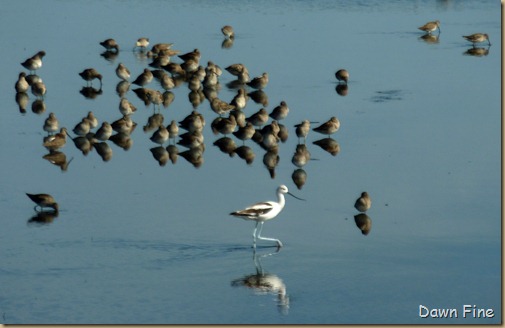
[136,242]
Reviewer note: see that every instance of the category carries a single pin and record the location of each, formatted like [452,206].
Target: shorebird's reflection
[43,218]
[110,55]
[342,89]
[299,177]
[227,43]
[328,144]
[103,149]
[90,92]
[22,99]
[226,145]
[58,158]
[363,222]
[38,106]
[477,51]
[430,38]
[265,283]
[160,154]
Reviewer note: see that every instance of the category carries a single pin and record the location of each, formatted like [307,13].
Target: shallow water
[136,242]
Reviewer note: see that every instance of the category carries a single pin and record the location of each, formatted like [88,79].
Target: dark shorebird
[43,200]
[90,74]
[259,82]
[280,112]
[110,44]
[144,78]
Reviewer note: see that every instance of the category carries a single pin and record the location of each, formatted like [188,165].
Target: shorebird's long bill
[296,197]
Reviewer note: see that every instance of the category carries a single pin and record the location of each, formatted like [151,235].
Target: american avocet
[43,200]
[430,27]
[363,203]
[264,211]
[477,38]
[342,75]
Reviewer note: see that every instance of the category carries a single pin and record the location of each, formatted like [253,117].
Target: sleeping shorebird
[264,211]
[363,203]
[342,75]
[228,31]
[329,127]
[35,62]
[43,200]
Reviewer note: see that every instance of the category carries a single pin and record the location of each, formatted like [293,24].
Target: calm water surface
[137,242]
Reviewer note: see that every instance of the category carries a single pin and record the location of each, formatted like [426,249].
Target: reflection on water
[477,51]
[43,218]
[265,283]
[363,222]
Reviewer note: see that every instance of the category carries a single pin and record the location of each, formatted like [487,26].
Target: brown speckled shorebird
[329,127]
[43,200]
[477,38]
[430,27]
[363,203]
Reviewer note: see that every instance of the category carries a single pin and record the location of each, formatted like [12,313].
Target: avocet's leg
[254,234]
[265,238]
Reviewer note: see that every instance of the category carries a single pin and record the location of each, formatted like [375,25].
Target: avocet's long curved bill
[295,196]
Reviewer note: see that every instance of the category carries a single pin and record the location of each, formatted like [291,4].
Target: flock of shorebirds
[203,83]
